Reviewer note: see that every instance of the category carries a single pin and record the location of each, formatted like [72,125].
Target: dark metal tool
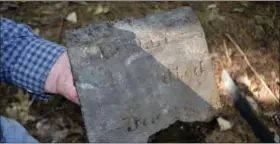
[246,111]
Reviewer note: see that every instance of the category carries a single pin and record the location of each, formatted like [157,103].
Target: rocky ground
[254,26]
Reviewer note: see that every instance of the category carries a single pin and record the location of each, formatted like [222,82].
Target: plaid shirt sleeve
[26,58]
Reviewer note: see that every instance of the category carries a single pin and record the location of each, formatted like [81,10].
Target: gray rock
[135,77]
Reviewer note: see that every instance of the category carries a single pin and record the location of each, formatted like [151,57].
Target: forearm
[25,58]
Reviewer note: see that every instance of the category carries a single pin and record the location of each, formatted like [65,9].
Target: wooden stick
[252,68]
[60,32]
[226,51]
[59,36]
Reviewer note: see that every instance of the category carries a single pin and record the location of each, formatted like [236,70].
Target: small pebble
[72,17]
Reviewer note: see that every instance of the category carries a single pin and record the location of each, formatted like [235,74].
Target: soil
[181,132]
[253,25]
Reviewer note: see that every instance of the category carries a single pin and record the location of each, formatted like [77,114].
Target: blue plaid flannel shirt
[26,58]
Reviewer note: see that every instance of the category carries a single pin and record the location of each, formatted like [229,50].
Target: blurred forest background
[254,26]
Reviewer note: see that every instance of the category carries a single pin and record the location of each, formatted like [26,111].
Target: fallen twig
[60,32]
[252,68]
[226,51]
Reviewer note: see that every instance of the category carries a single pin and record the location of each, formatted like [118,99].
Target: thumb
[65,86]
[60,79]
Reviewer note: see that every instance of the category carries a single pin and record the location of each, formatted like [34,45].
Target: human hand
[60,79]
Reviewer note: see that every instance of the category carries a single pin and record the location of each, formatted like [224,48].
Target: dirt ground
[253,25]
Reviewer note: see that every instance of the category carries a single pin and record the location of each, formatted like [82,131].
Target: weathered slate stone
[137,76]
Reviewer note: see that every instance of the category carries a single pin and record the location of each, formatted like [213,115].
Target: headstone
[136,77]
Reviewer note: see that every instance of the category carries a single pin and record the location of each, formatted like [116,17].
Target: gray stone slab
[137,76]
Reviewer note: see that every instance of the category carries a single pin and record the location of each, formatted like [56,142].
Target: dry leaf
[89,9]
[36,31]
[276,138]
[99,9]
[245,80]
[224,124]
[239,10]
[211,6]
[106,9]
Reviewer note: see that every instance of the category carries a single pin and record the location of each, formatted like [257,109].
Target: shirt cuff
[32,67]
